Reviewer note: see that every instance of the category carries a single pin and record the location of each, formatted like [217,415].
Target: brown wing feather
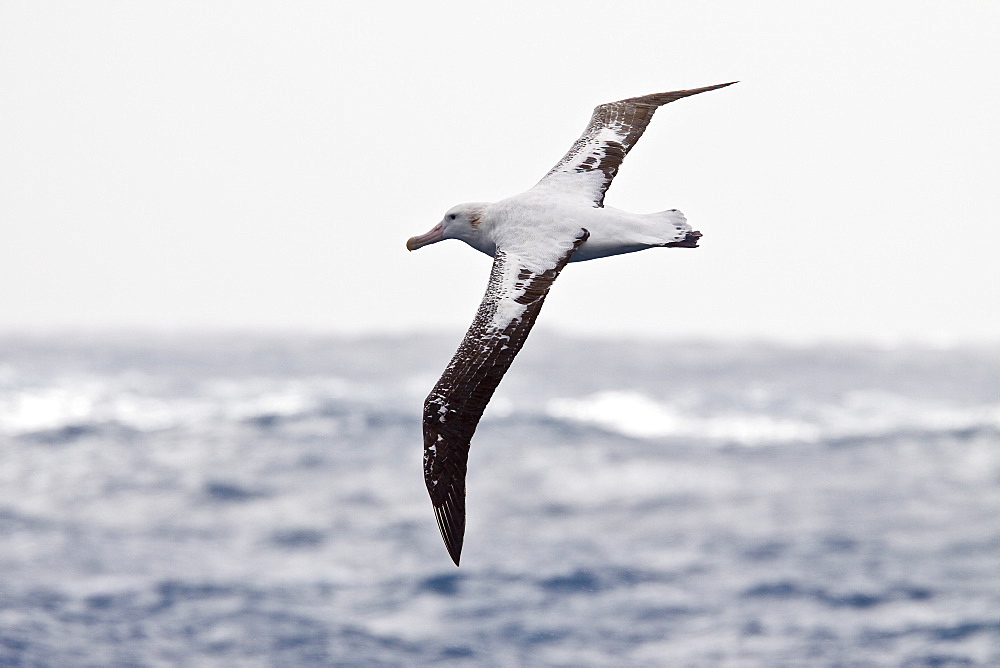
[455,405]
[614,129]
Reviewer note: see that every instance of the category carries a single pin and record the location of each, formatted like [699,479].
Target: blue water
[252,500]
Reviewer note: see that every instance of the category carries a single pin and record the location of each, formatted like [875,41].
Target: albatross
[531,237]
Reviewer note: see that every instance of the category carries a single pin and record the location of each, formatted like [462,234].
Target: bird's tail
[679,233]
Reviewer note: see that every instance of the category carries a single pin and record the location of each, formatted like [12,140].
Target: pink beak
[436,234]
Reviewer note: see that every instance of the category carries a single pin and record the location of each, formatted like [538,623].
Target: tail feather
[690,240]
[682,234]
[674,226]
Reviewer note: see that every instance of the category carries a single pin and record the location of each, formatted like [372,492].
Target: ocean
[258,500]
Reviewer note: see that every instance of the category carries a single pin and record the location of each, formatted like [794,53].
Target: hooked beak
[436,234]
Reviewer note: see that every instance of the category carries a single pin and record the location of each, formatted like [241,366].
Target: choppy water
[258,501]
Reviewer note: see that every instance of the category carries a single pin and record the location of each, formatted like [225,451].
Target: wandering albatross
[531,237]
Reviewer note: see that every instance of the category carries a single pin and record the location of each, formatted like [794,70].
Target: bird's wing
[452,410]
[615,127]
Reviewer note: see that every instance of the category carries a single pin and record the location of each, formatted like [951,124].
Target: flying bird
[531,237]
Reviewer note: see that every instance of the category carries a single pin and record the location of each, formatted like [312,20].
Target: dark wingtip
[451,523]
[717,86]
[705,89]
[659,99]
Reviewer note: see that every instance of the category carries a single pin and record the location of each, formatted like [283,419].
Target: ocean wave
[751,396]
[858,414]
[65,408]
[140,404]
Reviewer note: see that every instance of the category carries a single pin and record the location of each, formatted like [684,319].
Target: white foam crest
[634,414]
[863,412]
[860,413]
[138,403]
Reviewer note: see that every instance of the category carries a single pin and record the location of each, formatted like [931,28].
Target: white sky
[261,165]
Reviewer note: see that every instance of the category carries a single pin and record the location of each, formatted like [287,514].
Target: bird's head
[464,222]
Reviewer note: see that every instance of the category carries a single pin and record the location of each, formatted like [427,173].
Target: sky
[259,165]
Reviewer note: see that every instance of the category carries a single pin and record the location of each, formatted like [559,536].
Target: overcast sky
[261,165]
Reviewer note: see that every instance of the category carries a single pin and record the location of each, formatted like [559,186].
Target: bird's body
[538,217]
[531,237]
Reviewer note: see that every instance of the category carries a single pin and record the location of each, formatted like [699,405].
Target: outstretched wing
[592,162]
[453,408]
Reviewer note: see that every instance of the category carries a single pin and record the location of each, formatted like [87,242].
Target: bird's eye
[452,216]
